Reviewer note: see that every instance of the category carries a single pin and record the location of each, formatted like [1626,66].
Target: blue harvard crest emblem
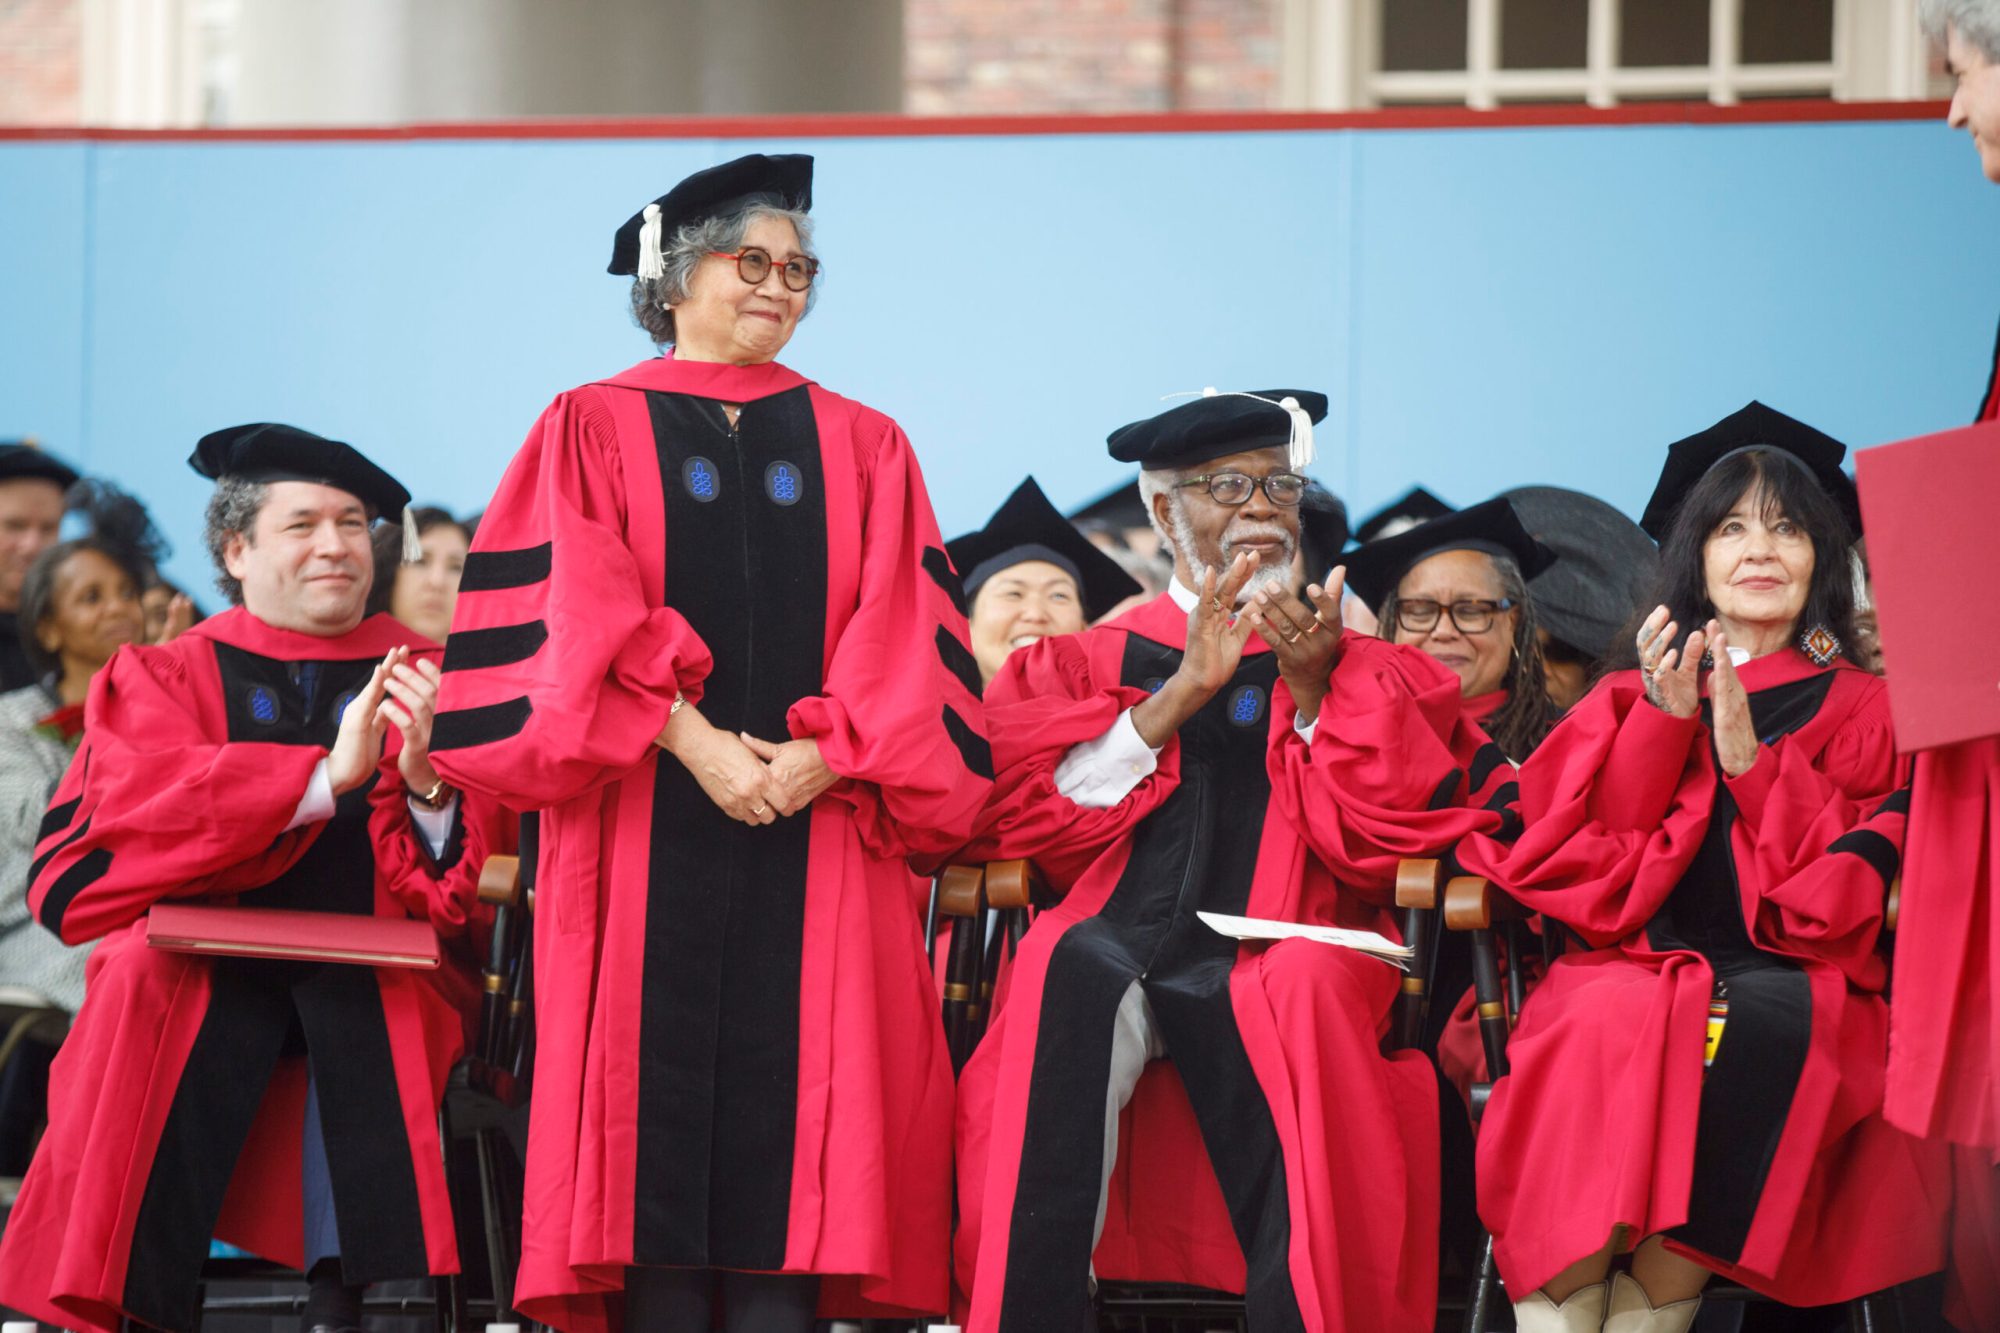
[263,705]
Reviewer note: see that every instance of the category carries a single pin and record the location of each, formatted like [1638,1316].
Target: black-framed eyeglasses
[1420,615]
[1284,489]
[754,265]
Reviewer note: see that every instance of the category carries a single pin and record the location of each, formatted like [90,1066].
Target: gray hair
[1159,481]
[693,243]
[231,510]
[1977,21]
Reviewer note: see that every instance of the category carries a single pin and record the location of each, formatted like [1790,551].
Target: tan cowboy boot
[1583,1312]
[1633,1312]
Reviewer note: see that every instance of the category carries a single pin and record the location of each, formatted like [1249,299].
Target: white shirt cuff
[317,804]
[434,826]
[1305,728]
[1098,774]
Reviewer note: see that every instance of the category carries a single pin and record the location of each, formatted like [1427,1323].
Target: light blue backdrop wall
[1487,307]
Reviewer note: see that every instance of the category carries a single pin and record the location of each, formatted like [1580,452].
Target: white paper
[1361,941]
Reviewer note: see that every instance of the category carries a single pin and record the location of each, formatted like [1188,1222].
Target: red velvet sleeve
[1384,776]
[1819,839]
[1613,807]
[1044,701]
[441,889]
[899,718]
[559,673]
[155,807]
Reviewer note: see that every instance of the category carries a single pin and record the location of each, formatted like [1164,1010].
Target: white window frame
[1332,60]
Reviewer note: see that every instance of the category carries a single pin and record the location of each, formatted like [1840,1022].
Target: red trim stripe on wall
[898,126]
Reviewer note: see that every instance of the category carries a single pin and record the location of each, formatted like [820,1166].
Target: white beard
[1275,577]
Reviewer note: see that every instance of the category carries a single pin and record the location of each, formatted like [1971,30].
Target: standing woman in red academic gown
[1722,841]
[708,627]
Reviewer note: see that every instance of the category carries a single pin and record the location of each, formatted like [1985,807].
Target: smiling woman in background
[421,593]
[1457,587]
[1029,574]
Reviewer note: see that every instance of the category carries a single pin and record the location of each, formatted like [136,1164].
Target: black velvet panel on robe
[1748,1092]
[1197,852]
[260,1010]
[746,563]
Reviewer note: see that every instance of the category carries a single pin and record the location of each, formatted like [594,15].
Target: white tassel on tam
[1298,446]
[652,259]
[413,545]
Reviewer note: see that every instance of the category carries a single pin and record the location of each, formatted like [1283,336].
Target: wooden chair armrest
[1893,908]
[1417,882]
[500,881]
[958,890]
[1011,884]
[1472,903]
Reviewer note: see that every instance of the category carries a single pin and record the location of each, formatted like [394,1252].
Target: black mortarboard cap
[1690,459]
[1027,527]
[1374,570]
[21,459]
[784,180]
[267,451]
[1605,571]
[1405,511]
[1217,424]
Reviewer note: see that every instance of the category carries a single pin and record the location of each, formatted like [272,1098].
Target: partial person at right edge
[1944,1047]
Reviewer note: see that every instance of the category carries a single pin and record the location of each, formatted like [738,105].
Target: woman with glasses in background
[1457,587]
[709,629]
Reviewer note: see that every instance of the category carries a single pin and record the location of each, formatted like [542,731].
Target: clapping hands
[1673,684]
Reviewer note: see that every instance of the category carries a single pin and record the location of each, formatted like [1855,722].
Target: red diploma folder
[272,932]
[1928,506]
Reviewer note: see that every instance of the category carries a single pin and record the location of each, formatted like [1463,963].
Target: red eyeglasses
[754,265]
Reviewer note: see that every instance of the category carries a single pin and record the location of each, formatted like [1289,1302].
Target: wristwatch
[437,797]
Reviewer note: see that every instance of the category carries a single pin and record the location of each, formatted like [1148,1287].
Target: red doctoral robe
[1944,1021]
[1322,1202]
[1775,1168]
[176,1105]
[738,1056]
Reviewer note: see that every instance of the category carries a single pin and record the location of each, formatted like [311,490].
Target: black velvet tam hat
[267,451]
[20,459]
[1027,527]
[1374,570]
[783,180]
[1216,424]
[1689,460]
[1404,512]
[1605,568]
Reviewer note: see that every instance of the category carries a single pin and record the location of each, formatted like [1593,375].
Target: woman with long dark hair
[1700,1084]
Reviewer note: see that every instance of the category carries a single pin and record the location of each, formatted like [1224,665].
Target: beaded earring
[1819,644]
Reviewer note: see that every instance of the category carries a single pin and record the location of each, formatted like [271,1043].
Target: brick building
[1010,57]
[41,62]
[146,63]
